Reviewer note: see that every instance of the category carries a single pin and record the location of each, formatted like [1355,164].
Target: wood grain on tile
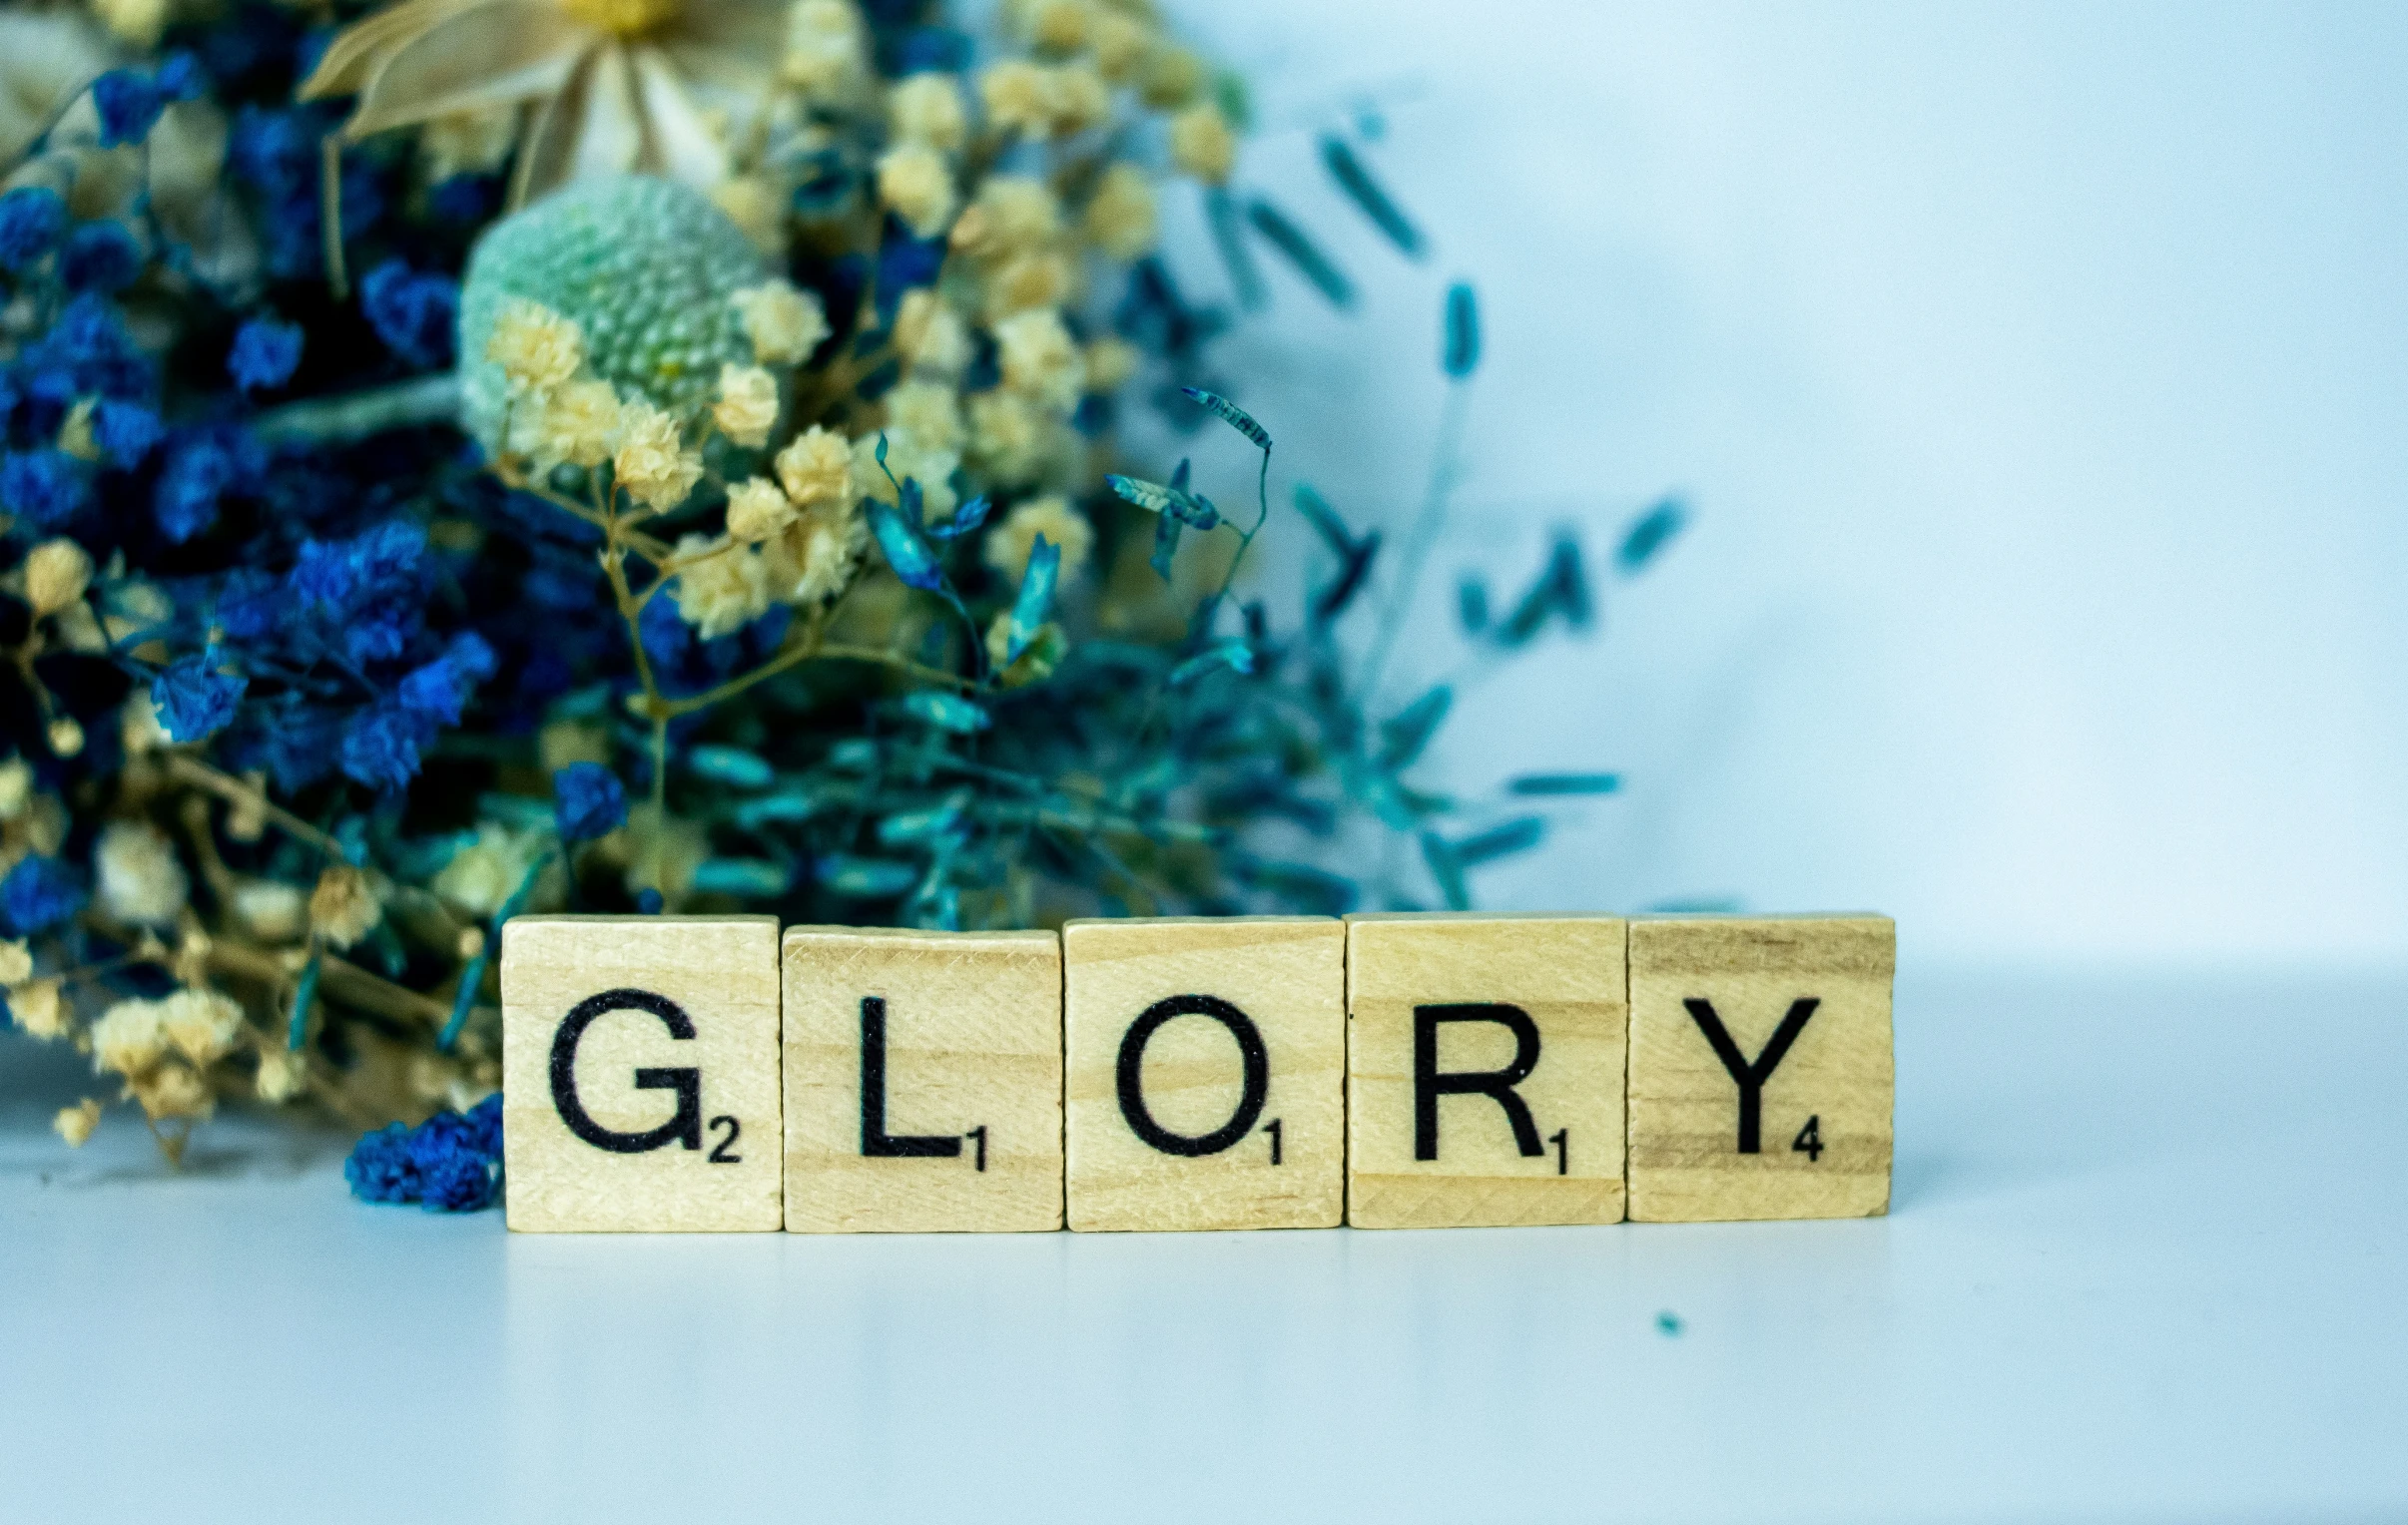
[1760,1067]
[1205,1072]
[640,1073]
[924,1080]
[1485,1070]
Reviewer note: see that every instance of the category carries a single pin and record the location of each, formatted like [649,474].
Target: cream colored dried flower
[1061,26]
[827,50]
[748,404]
[487,869]
[927,109]
[56,574]
[752,203]
[928,413]
[1018,97]
[577,424]
[1009,544]
[722,586]
[283,1075]
[1169,76]
[1120,216]
[930,336]
[1082,100]
[65,736]
[138,727]
[1013,215]
[916,184]
[757,509]
[536,348]
[1111,363]
[36,1007]
[652,464]
[813,558]
[74,1124]
[203,1024]
[344,907]
[1202,143]
[1008,438]
[128,1039]
[140,880]
[273,910]
[16,962]
[1031,280]
[16,788]
[1120,43]
[1040,360]
[816,468]
[75,430]
[172,1091]
[784,325]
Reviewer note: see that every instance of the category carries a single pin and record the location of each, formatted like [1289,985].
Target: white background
[2036,375]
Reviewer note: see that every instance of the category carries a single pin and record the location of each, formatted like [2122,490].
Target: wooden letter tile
[640,1073]
[924,1080]
[1485,1070]
[1760,1067]
[1205,1072]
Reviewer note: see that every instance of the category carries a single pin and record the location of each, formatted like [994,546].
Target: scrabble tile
[640,1073]
[1760,1068]
[1483,1081]
[1204,1079]
[924,1080]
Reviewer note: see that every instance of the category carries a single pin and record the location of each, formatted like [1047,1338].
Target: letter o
[1251,1054]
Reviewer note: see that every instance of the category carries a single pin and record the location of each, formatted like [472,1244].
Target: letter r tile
[1760,1067]
[924,1080]
[640,1074]
[1485,1069]
[1204,1080]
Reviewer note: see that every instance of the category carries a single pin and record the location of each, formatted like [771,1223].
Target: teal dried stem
[1444,468]
[472,979]
[304,995]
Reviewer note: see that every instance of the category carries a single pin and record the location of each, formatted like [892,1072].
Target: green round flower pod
[645,267]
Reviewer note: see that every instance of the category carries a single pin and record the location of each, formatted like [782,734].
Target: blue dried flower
[32,219]
[265,354]
[439,689]
[43,486]
[87,352]
[459,1182]
[100,256]
[372,587]
[126,432]
[206,466]
[413,314]
[194,698]
[590,802]
[39,893]
[379,1168]
[380,746]
[181,78]
[129,104]
[485,1126]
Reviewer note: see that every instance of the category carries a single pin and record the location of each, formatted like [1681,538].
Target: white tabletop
[2148,1255]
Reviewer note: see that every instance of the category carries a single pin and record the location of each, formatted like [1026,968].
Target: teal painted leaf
[1402,737]
[1289,239]
[1324,519]
[1517,836]
[1233,653]
[1565,784]
[1233,415]
[947,712]
[732,765]
[1036,598]
[1448,870]
[757,878]
[864,878]
[965,519]
[1166,544]
[1472,605]
[1463,332]
[1649,533]
[905,552]
[1366,192]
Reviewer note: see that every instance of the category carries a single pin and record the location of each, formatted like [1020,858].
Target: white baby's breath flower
[930,334]
[928,413]
[748,404]
[916,184]
[343,906]
[128,1039]
[16,788]
[1202,143]
[1120,216]
[536,348]
[577,423]
[273,910]
[74,1124]
[813,558]
[1011,215]
[201,1024]
[722,588]
[36,1007]
[1040,360]
[927,109]
[1009,544]
[1111,363]
[757,509]
[816,468]
[487,869]
[652,463]
[784,325]
[56,574]
[283,1075]
[16,962]
[140,880]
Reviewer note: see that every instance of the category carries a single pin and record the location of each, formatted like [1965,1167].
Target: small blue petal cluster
[414,312]
[32,219]
[452,1163]
[265,356]
[40,893]
[588,801]
[194,699]
[129,103]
